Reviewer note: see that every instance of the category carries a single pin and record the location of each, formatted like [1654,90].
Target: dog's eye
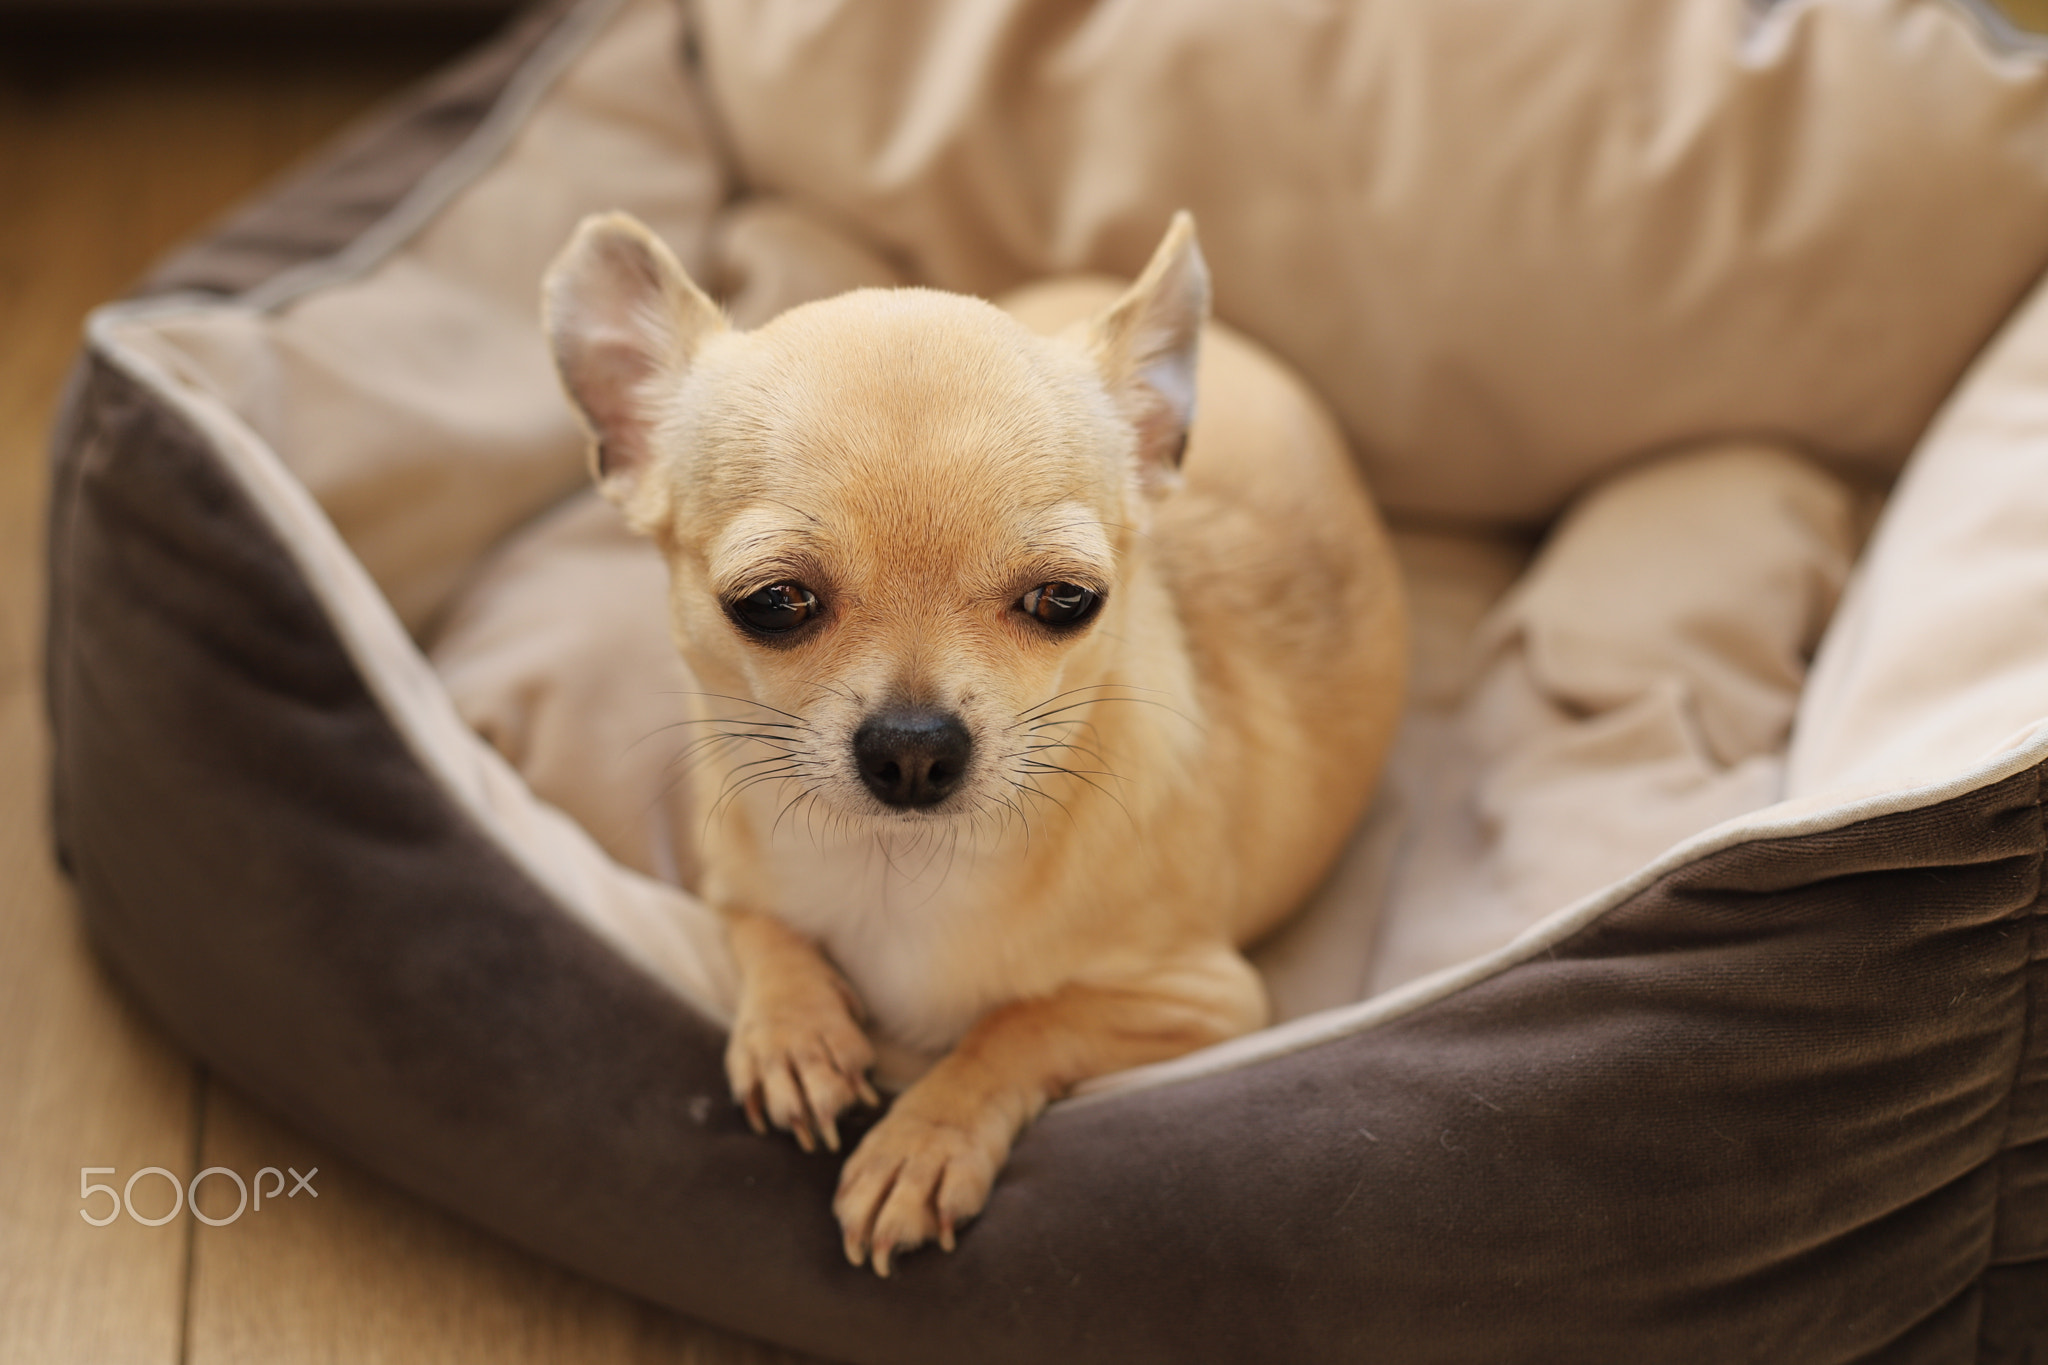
[1059,604]
[777,608]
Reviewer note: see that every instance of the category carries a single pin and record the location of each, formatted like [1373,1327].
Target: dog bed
[1677,1001]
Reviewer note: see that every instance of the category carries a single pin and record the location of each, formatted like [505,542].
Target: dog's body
[1018,723]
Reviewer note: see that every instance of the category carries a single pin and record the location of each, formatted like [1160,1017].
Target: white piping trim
[2026,750]
[531,82]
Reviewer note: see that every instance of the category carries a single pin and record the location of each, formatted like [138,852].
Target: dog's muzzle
[910,758]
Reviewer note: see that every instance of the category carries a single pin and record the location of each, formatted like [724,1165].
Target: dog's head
[899,525]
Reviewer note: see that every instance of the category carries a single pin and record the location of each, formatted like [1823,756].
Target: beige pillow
[1635,687]
[1938,657]
[556,652]
[1513,244]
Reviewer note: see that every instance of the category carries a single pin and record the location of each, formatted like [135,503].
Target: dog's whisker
[790,741]
[952,857]
[734,720]
[1035,726]
[735,782]
[1030,712]
[1015,811]
[928,860]
[715,747]
[702,742]
[725,738]
[788,806]
[1136,701]
[1024,753]
[1073,724]
[726,801]
[1051,725]
[789,752]
[1070,747]
[1079,755]
[1030,790]
[1082,775]
[888,859]
[999,820]
[717,735]
[700,720]
[744,701]
[1047,710]
[1034,789]
[1038,765]
[834,689]
[933,856]
[778,758]
[692,753]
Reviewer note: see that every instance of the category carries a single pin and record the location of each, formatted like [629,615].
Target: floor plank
[362,1274]
[84,1081]
[109,153]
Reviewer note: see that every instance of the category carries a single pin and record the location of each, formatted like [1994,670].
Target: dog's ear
[624,320]
[1146,344]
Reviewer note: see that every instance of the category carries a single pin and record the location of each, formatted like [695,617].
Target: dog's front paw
[915,1178]
[798,1060]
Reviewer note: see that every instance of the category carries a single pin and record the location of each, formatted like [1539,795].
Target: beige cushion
[1635,687]
[1513,244]
[1938,657]
[556,653]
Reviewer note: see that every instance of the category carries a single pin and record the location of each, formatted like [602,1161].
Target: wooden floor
[105,161]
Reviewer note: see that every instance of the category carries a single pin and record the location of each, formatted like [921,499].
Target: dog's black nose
[912,757]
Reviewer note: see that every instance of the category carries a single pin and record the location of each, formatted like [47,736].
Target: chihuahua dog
[1031,698]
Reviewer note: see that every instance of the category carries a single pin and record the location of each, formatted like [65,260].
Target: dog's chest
[894,916]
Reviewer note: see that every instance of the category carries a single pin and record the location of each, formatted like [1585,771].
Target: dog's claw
[914,1179]
[799,1065]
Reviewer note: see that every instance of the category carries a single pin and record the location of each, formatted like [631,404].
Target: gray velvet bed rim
[1788,1101]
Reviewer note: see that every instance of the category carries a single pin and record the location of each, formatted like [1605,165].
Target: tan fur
[922,460]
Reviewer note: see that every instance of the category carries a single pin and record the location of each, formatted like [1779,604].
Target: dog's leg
[798,1057]
[929,1164]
